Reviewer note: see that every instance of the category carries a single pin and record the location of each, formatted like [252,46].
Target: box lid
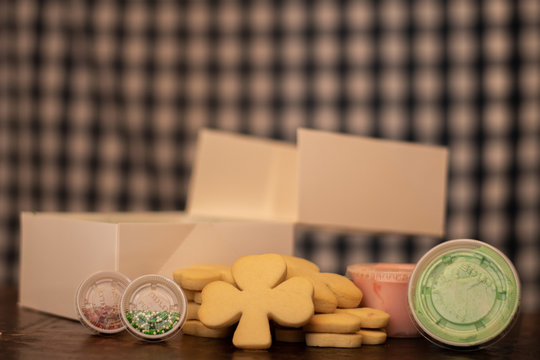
[371,185]
[328,180]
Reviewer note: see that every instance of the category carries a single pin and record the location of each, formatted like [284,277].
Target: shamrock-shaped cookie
[262,295]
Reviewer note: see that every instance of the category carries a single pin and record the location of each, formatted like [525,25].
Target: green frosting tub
[464,294]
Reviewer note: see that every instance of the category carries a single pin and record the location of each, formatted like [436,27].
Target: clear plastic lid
[464,294]
[98,302]
[153,308]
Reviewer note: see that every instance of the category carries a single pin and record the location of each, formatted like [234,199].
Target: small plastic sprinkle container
[98,302]
[153,308]
[384,286]
[464,294]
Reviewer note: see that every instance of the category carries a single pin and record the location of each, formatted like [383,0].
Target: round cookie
[223,270]
[197,297]
[347,294]
[324,299]
[189,294]
[370,318]
[192,311]
[334,340]
[333,323]
[197,328]
[329,290]
[372,337]
[195,279]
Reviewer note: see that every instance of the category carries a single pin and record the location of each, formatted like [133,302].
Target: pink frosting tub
[385,287]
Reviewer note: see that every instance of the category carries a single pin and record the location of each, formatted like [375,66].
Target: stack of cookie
[192,280]
[334,330]
[373,322]
[285,293]
[347,328]
[330,291]
[338,321]
[344,328]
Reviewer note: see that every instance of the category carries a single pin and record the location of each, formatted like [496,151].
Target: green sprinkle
[152,322]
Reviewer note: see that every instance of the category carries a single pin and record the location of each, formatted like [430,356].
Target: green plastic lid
[464,294]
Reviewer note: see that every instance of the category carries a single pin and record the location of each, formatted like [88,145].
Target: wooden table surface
[28,334]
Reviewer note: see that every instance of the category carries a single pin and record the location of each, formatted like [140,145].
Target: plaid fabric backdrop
[100,103]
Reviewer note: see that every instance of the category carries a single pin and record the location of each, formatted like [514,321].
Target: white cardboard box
[327,180]
[59,251]
[245,196]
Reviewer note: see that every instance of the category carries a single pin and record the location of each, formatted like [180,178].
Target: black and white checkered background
[100,103]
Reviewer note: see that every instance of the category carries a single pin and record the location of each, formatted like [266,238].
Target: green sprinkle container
[464,294]
[153,308]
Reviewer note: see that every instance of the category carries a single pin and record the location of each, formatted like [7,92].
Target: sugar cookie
[196,328]
[347,294]
[330,290]
[334,340]
[195,279]
[263,295]
[192,311]
[189,294]
[223,270]
[197,276]
[340,323]
[372,337]
[197,297]
[324,299]
[291,335]
[370,318]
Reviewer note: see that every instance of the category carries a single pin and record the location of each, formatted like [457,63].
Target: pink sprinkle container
[385,287]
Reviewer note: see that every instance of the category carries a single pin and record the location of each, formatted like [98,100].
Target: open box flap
[371,185]
[238,176]
[329,180]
